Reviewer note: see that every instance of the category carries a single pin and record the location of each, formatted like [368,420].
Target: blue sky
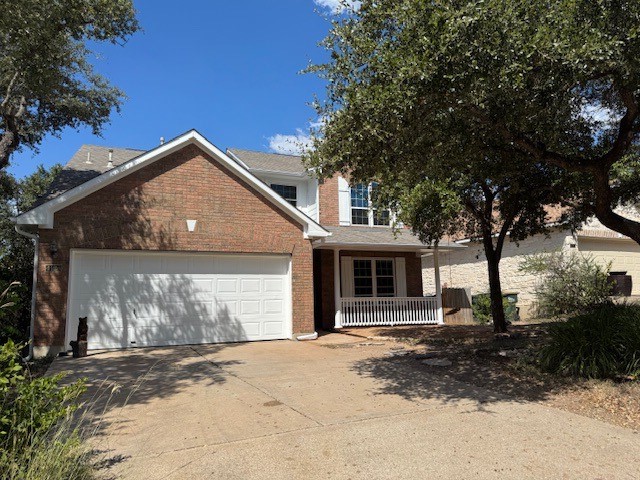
[227,69]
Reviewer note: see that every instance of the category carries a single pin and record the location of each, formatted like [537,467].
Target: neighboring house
[187,244]
[468,268]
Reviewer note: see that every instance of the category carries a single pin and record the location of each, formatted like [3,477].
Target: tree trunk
[604,212]
[495,293]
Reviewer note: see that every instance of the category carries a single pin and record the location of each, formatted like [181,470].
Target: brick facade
[147,210]
[324,271]
[328,202]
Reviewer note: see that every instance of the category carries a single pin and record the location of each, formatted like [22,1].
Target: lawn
[509,366]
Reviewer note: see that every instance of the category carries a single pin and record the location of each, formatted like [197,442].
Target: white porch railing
[367,311]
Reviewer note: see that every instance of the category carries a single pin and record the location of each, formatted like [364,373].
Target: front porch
[361,282]
[388,311]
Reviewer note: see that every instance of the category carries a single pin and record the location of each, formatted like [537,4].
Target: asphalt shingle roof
[87,163]
[377,236]
[272,162]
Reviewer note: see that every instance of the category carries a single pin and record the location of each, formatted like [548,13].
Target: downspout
[36,239]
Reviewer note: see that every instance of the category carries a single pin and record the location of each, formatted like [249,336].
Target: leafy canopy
[47,82]
[16,251]
[446,81]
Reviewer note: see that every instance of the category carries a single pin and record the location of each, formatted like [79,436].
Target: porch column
[436,271]
[336,288]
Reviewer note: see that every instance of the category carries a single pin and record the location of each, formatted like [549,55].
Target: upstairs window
[288,192]
[360,204]
[362,210]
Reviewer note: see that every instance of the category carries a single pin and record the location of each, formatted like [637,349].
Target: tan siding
[624,256]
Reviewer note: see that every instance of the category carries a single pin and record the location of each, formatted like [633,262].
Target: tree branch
[626,133]
[7,95]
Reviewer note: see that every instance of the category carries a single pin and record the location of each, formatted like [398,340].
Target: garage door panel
[98,285]
[273,285]
[250,307]
[146,299]
[237,265]
[250,285]
[122,264]
[227,308]
[252,330]
[149,264]
[273,328]
[191,309]
[94,263]
[273,306]
[202,264]
[227,285]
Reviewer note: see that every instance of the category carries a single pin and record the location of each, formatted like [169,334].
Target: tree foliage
[545,83]
[395,113]
[569,283]
[47,82]
[16,251]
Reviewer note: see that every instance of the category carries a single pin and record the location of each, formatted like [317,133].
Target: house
[468,268]
[187,244]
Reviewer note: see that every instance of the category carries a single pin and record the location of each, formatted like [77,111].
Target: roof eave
[389,247]
[279,173]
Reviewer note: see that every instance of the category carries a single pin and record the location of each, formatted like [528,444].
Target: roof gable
[43,215]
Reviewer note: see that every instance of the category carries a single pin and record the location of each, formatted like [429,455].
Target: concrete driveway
[334,408]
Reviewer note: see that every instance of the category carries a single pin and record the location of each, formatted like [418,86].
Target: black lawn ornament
[79,346]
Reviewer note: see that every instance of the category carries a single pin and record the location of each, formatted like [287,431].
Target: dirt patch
[508,366]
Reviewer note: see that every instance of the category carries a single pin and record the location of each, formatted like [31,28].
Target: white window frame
[370,209]
[289,200]
[374,290]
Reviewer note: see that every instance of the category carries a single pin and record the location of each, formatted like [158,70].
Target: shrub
[602,344]
[37,437]
[481,306]
[9,313]
[570,283]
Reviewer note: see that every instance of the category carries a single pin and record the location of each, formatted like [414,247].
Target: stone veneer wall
[467,268]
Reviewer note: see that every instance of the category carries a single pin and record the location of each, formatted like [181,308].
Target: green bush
[602,344]
[481,306]
[570,283]
[37,436]
[10,299]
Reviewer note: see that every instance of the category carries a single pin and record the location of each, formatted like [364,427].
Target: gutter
[32,322]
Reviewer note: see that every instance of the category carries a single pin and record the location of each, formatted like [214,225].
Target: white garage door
[153,299]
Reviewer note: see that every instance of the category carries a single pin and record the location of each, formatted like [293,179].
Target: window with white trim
[288,192]
[373,277]
[362,210]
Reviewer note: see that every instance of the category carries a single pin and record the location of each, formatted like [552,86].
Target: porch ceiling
[377,238]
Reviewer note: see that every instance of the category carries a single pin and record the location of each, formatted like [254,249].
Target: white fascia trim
[232,155]
[43,214]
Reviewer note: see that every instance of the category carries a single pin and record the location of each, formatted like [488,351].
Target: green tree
[46,80]
[379,128]
[16,251]
[480,200]
[554,83]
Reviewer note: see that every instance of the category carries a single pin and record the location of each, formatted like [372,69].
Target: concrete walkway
[335,408]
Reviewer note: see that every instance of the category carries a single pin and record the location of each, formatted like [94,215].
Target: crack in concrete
[260,389]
